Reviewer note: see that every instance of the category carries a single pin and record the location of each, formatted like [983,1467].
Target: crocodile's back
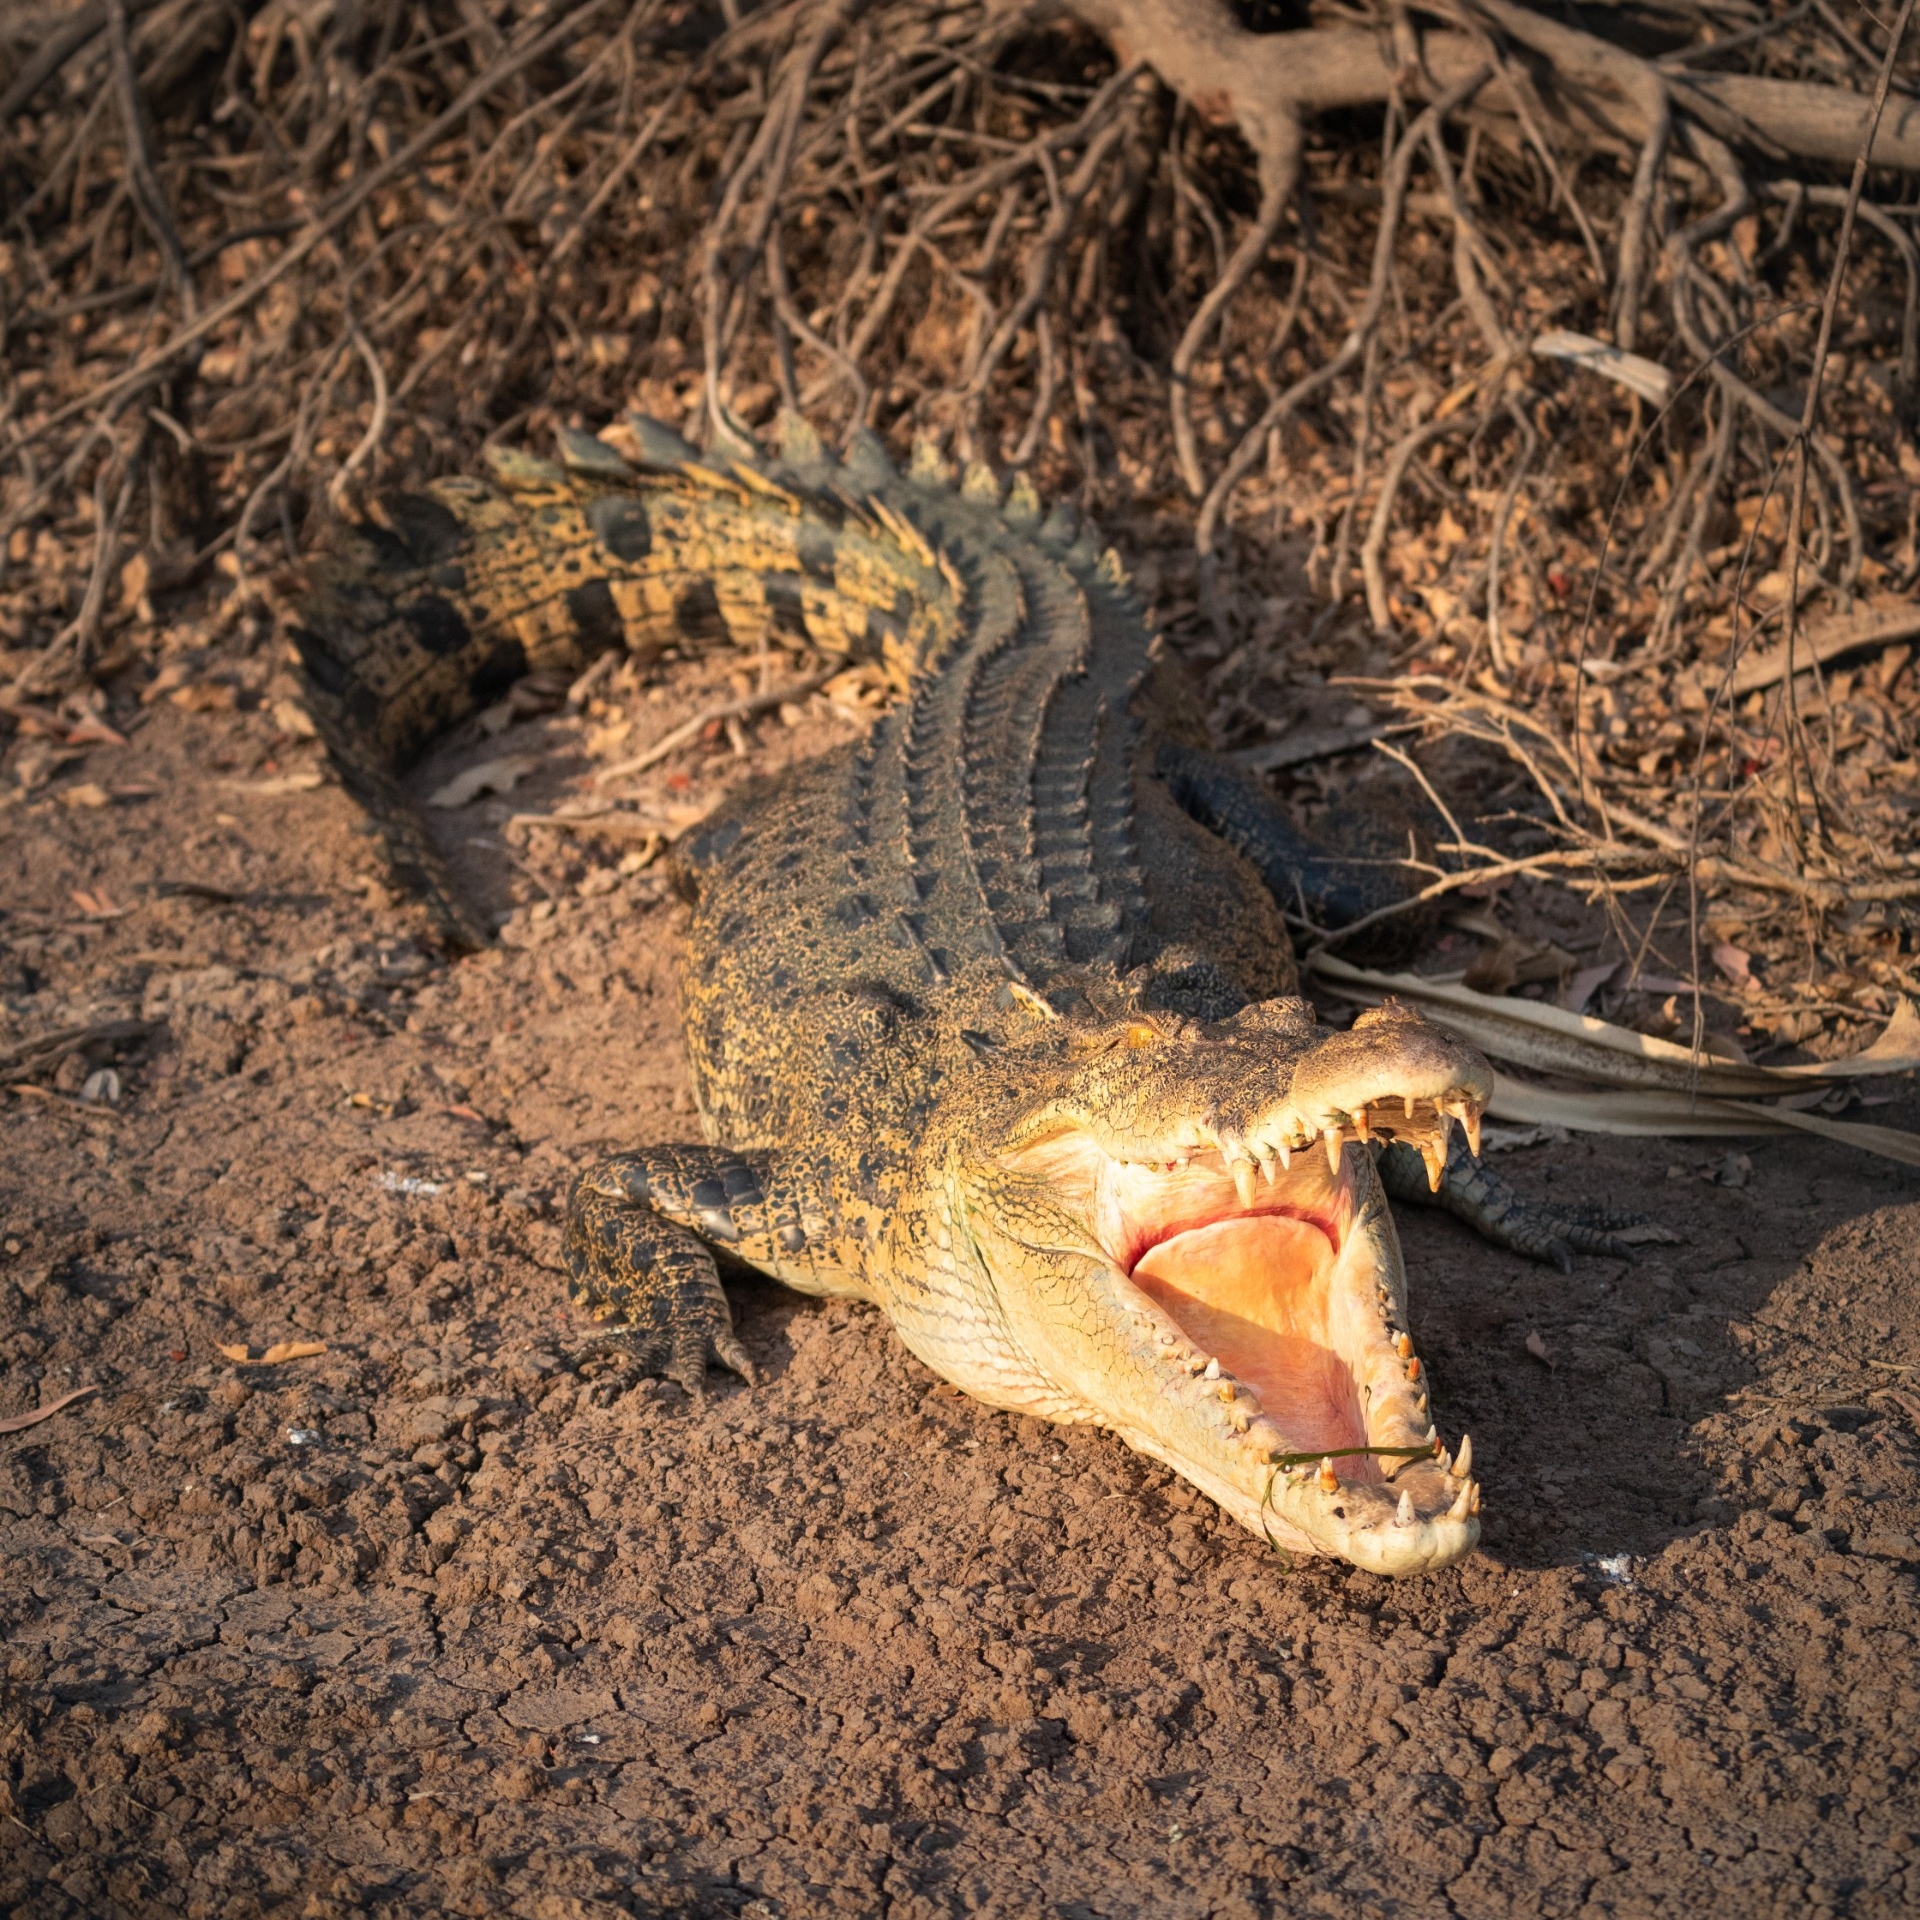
[996,834]
[995,825]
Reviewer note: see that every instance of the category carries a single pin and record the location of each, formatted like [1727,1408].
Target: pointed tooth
[1436,1159]
[1286,1155]
[1473,1496]
[1471,1121]
[1404,1346]
[1212,1370]
[1408,1103]
[1403,1513]
[1243,1182]
[1462,1503]
[1445,1459]
[1463,1460]
[1333,1142]
[1443,1128]
[1329,1480]
[1269,1170]
[1363,1124]
[1413,1368]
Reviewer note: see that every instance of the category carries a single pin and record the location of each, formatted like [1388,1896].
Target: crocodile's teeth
[1469,1116]
[1404,1346]
[1436,1159]
[1403,1513]
[1443,1126]
[1408,1103]
[1333,1142]
[1269,1168]
[1363,1124]
[1463,1502]
[1213,1370]
[1286,1155]
[1243,1182]
[1413,1368]
[1473,1496]
[1463,1460]
[1329,1480]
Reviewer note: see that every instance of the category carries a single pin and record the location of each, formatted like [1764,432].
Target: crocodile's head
[1187,1236]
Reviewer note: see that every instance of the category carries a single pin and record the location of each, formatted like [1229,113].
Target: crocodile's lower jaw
[1269,1336]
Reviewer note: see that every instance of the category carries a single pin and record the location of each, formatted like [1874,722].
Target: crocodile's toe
[649,1286]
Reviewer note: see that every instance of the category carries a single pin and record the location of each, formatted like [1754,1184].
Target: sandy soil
[455,1618]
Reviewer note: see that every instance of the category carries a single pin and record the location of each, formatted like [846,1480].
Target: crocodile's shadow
[1609,1445]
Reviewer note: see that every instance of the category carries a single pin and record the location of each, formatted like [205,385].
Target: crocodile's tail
[433,603]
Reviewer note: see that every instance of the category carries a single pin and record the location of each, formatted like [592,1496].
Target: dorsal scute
[521,472]
[732,442]
[981,483]
[660,447]
[931,468]
[1022,506]
[801,447]
[587,453]
[866,462]
[1060,529]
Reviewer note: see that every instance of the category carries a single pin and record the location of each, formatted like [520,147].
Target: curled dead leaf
[300,780]
[490,776]
[281,1350]
[1538,1348]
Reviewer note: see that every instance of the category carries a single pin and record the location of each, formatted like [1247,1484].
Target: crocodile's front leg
[641,1229]
[1473,1192]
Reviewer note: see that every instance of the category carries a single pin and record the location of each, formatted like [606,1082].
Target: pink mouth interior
[1256,1291]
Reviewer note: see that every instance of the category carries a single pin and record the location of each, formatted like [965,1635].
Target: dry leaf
[1736,964]
[301,780]
[293,719]
[97,905]
[490,776]
[1538,1348]
[95,733]
[20,1422]
[206,696]
[275,1354]
[1585,984]
[87,794]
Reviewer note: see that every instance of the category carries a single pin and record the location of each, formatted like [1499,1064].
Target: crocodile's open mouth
[1273,1276]
[1256,1288]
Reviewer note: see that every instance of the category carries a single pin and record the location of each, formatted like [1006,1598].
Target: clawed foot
[649,1286]
[1473,1192]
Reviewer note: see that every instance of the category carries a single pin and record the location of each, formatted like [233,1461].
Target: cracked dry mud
[455,1619]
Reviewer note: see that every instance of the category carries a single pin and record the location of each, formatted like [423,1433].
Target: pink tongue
[1253,1292]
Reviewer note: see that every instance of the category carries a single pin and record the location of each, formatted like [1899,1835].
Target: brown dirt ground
[457,1619]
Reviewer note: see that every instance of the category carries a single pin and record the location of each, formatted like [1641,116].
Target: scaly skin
[985,1027]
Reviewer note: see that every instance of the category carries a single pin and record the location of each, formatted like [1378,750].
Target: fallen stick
[20,1422]
[1878,627]
[748,707]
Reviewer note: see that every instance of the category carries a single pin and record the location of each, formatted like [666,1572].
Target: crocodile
[993,1015]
